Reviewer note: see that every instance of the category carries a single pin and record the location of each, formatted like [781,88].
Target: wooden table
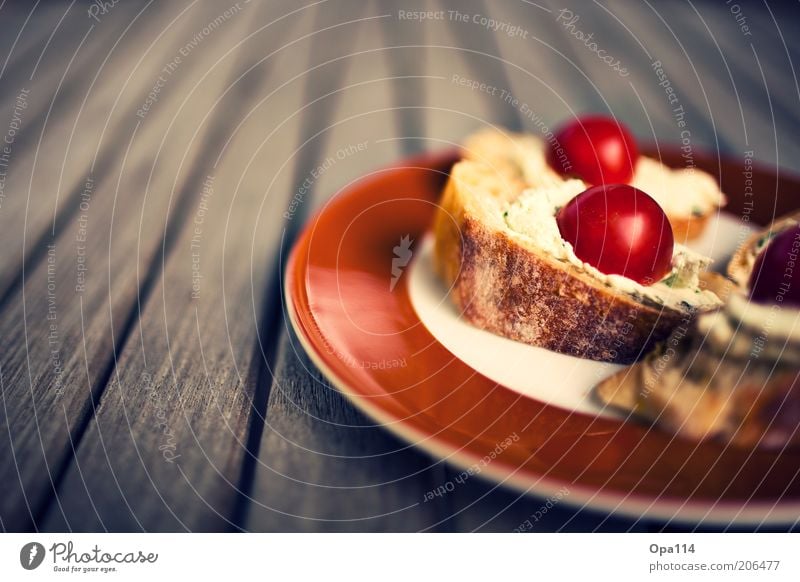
[161,157]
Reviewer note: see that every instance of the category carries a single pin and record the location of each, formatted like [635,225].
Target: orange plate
[370,343]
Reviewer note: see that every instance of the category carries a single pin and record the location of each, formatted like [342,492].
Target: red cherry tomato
[776,272]
[596,149]
[618,229]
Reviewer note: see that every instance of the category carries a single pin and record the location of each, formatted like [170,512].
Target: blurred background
[158,160]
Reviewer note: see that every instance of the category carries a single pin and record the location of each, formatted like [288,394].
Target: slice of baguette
[702,386]
[504,152]
[519,291]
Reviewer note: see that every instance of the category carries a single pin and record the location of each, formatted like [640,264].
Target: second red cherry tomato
[596,149]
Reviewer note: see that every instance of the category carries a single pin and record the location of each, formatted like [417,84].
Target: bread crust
[524,294]
[689,390]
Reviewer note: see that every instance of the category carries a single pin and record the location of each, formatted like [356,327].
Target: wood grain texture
[166,444]
[145,408]
[677,51]
[325,467]
[755,72]
[67,84]
[533,61]
[322,466]
[53,374]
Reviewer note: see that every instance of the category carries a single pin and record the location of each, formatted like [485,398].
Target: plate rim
[629,505]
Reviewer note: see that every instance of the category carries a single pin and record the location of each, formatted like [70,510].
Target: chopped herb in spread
[671,280]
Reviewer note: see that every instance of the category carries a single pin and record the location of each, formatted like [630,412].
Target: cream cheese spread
[682,193]
[531,220]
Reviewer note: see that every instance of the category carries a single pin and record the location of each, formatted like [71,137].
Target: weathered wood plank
[625,88]
[323,466]
[29,26]
[774,19]
[167,444]
[75,83]
[710,126]
[478,47]
[551,81]
[23,113]
[409,86]
[64,335]
[754,70]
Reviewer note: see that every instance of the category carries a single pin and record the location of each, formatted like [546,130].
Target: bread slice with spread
[732,375]
[499,250]
[689,197]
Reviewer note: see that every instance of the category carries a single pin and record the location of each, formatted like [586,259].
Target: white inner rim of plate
[546,376]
